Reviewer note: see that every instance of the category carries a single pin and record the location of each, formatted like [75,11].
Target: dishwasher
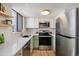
[26,49]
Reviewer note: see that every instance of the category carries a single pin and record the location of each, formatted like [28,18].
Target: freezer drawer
[65,46]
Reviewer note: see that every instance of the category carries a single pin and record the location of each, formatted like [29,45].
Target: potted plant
[2,38]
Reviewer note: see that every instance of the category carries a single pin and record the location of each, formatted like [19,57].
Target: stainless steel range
[45,40]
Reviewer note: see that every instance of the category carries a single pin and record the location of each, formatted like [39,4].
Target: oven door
[44,42]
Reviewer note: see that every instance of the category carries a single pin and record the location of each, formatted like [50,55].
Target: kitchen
[27,35]
[33,31]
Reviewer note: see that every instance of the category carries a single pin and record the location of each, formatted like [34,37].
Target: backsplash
[34,30]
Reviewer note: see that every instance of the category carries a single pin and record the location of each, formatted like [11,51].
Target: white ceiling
[33,9]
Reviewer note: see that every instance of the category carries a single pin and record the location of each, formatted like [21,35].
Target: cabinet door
[35,42]
[53,45]
[31,45]
[52,23]
[36,23]
[30,23]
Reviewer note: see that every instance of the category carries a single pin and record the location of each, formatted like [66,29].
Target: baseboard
[44,47]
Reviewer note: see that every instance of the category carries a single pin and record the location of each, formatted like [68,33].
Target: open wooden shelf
[5,15]
[5,25]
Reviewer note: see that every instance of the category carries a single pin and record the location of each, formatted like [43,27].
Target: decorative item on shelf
[6,24]
[2,39]
[9,22]
[2,8]
[3,11]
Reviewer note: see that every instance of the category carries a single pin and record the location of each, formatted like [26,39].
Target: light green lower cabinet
[31,45]
[35,42]
[53,42]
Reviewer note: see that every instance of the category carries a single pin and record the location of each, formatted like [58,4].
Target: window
[17,21]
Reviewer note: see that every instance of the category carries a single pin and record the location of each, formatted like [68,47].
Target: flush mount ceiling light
[45,12]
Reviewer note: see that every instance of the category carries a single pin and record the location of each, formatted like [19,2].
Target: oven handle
[45,36]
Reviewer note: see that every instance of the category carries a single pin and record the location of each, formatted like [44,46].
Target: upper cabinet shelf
[5,15]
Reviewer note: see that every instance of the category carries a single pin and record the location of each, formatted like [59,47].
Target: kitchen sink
[26,36]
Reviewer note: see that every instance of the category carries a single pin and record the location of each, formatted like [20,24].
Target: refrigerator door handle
[65,36]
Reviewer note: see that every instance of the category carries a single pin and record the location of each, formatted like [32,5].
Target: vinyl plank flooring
[37,52]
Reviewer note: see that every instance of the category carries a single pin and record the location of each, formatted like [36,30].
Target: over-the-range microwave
[44,24]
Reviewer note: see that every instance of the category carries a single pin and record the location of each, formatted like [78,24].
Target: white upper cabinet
[31,23]
[36,23]
[52,23]
[44,20]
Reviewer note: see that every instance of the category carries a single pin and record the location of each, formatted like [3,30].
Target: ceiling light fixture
[45,12]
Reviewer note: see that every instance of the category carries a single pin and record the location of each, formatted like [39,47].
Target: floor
[37,52]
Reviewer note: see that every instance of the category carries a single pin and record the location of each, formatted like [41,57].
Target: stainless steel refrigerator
[67,33]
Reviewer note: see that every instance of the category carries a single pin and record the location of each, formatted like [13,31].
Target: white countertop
[12,46]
